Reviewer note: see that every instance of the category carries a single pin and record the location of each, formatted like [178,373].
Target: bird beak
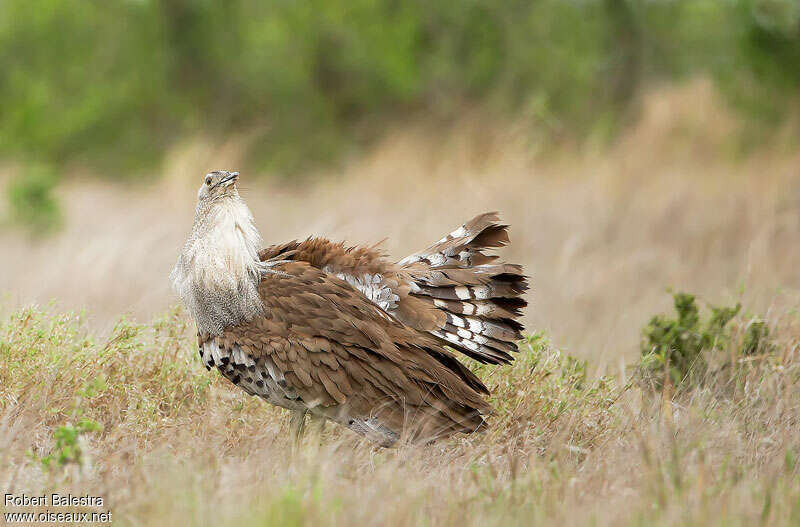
[233,176]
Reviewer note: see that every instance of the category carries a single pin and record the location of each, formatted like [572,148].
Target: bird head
[217,184]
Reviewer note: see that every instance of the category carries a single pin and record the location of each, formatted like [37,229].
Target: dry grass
[603,233]
[182,446]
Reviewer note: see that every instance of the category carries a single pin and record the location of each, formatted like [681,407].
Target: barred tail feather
[481,299]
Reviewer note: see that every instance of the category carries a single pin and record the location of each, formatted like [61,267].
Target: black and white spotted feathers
[481,299]
[261,378]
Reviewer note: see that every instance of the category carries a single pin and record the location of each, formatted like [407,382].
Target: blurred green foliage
[111,84]
[68,449]
[31,201]
[679,348]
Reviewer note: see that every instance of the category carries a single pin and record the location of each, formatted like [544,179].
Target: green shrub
[674,346]
[681,349]
[31,200]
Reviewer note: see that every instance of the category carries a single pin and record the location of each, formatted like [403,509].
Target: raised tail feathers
[481,299]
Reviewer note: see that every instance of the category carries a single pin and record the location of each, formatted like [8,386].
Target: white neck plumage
[218,271]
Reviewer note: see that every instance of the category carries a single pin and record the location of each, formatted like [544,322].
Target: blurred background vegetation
[109,86]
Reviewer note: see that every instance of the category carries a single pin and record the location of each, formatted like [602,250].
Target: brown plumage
[345,334]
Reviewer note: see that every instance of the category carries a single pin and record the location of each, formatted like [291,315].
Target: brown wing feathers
[481,299]
[349,361]
[453,289]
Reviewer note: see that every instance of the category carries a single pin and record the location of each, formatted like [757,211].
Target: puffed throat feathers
[218,271]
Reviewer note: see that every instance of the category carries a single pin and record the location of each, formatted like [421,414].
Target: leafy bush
[31,200]
[676,348]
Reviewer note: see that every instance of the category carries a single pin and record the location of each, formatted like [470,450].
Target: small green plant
[67,449]
[31,200]
[756,337]
[675,346]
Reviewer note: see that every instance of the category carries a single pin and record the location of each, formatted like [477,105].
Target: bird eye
[208,180]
